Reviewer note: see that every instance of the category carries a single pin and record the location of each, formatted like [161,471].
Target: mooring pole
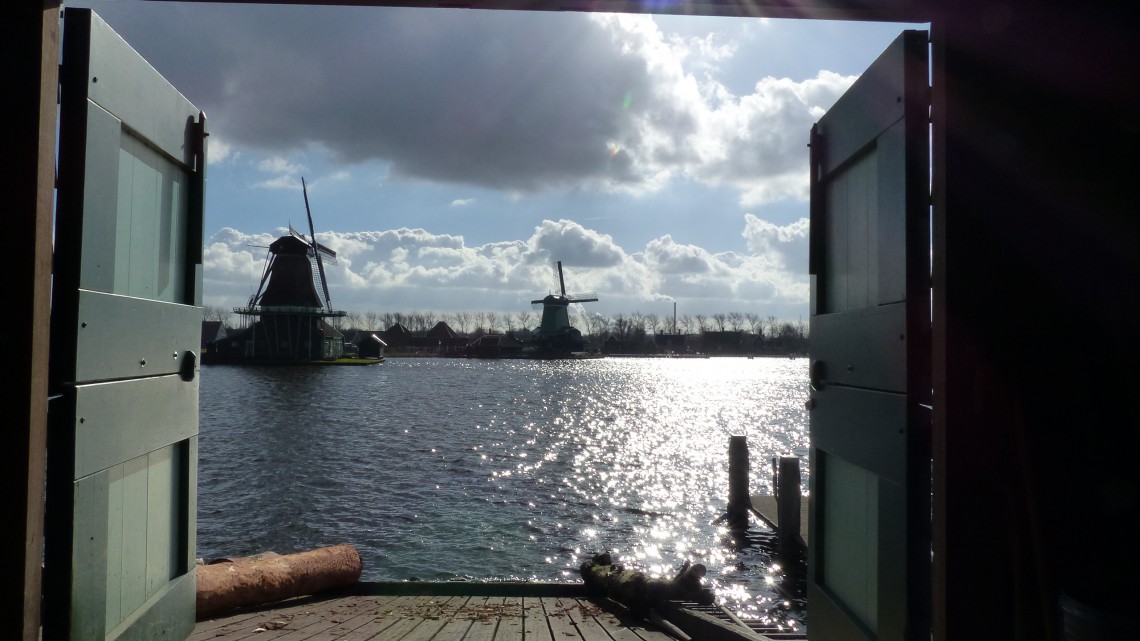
[739,500]
[788,502]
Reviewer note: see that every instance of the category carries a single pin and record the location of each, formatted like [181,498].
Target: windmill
[555,335]
[292,302]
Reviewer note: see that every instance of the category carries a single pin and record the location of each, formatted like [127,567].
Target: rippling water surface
[508,469]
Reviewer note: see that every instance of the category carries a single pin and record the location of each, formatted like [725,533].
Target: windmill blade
[588,297]
[316,252]
[561,283]
[329,255]
[299,236]
[269,260]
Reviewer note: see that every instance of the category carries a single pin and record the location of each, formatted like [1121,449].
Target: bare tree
[685,322]
[463,321]
[701,322]
[754,324]
[523,319]
[652,323]
[492,321]
[352,320]
[217,313]
[371,320]
[595,324]
[621,326]
[771,326]
[636,325]
[418,321]
[735,321]
[789,331]
[719,319]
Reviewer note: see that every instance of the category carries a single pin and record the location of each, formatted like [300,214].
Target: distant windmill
[292,302]
[555,335]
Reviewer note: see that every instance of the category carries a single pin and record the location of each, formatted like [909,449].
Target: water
[493,470]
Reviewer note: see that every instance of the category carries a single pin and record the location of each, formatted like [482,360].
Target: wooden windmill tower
[555,336]
[292,303]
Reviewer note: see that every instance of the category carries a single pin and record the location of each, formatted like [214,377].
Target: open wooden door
[125,329]
[869,558]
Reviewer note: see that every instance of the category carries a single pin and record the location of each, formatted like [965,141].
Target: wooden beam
[30,54]
[883,10]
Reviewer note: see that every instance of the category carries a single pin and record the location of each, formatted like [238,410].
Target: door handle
[817,374]
[188,368]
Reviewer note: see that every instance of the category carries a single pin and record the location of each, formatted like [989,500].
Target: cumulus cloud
[279,165]
[414,269]
[221,151]
[787,244]
[668,257]
[570,242]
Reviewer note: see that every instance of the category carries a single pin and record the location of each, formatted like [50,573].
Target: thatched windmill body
[292,303]
[555,336]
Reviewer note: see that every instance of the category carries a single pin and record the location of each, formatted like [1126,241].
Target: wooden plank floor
[765,507]
[432,618]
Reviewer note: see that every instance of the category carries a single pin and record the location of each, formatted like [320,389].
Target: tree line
[627,328]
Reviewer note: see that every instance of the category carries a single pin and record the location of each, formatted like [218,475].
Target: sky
[452,156]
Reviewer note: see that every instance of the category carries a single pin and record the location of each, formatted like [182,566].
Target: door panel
[869,559]
[129,180]
[865,347]
[108,434]
[104,319]
[126,321]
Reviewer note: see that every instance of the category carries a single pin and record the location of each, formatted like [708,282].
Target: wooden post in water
[739,501]
[788,502]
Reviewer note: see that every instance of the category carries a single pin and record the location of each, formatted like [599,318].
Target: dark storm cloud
[499,99]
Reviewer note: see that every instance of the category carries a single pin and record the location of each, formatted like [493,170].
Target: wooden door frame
[30,52]
[984,43]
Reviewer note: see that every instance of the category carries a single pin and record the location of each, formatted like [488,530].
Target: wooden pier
[436,612]
[472,611]
[788,507]
[767,510]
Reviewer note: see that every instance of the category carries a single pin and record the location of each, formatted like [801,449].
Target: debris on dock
[635,590]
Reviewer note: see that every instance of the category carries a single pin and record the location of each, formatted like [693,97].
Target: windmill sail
[590,297]
[316,247]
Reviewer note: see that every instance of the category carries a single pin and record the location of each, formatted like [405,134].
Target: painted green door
[126,326]
[869,558]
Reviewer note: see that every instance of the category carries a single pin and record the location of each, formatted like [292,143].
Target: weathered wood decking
[765,507]
[442,617]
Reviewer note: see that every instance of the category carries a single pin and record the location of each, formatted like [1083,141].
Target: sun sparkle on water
[497,469]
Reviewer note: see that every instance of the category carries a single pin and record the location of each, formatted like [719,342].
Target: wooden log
[242,582]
